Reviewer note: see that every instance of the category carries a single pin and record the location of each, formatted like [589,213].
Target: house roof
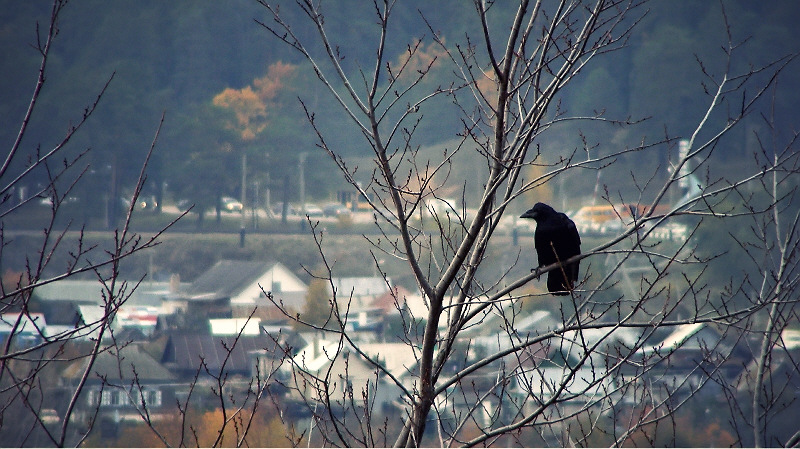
[226,278]
[61,312]
[91,291]
[399,359]
[360,286]
[389,300]
[676,339]
[495,334]
[791,339]
[184,351]
[32,323]
[119,364]
[532,322]
[289,301]
[781,367]
[317,354]
[71,290]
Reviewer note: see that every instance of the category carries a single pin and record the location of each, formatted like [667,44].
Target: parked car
[147,202]
[277,209]
[48,201]
[144,202]
[231,204]
[312,210]
[184,205]
[335,209]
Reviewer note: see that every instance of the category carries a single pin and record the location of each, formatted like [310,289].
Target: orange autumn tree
[253,104]
[204,429]
[265,429]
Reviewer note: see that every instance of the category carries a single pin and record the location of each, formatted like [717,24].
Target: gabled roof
[32,323]
[791,339]
[674,340]
[399,359]
[316,355]
[360,286]
[497,334]
[61,312]
[226,278]
[113,362]
[71,290]
[184,351]
[391,299]
[781,369]
[90,291]
[494,324]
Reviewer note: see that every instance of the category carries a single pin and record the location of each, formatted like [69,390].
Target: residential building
[122,382]
[398,298]
[336,362]
[72,303]
[359,292]
[233,288]
[183,354]
[24,330]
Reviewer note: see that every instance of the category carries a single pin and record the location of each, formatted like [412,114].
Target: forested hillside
[648,298]
[228,88]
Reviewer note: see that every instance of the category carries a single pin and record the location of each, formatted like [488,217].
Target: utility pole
[256,201]
[303,183]
[268,194]
[244,198]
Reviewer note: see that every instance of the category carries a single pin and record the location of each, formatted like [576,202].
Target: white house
[359,287]
[235,326]
[241,286]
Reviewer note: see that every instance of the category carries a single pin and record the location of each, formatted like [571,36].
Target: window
[152,398]
[106,398]
[93,398]
[114,398]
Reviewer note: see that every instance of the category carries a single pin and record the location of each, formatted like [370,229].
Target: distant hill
[176,56]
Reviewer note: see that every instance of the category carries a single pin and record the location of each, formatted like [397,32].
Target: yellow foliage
[252,104]
[138,436]
[269,85]
[318,303]
[250,111]
[265,430]
[208,429]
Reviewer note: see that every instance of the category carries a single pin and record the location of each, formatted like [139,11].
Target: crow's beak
[529,214]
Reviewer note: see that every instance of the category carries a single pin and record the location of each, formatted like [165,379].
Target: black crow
[556,240]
